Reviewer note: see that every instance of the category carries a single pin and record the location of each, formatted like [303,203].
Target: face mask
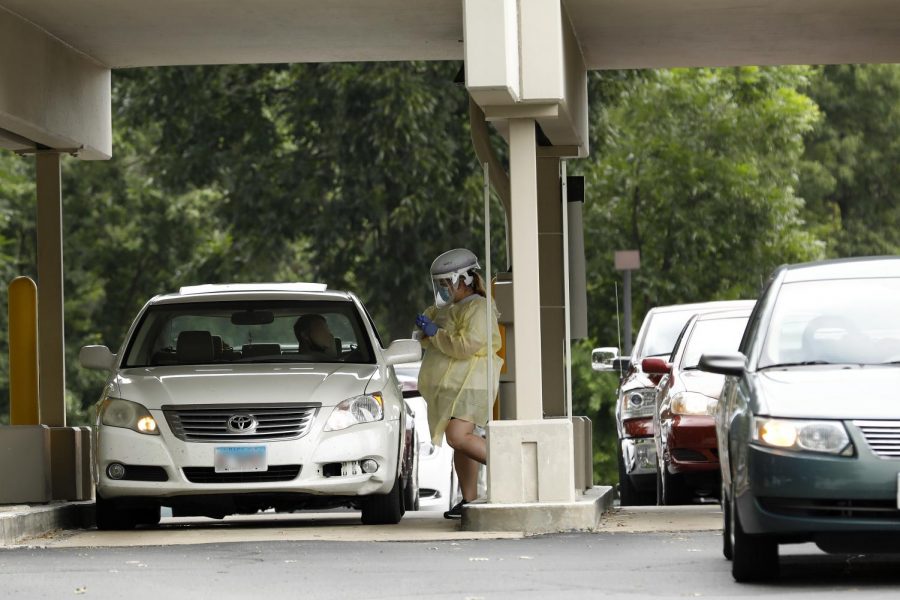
[445,294]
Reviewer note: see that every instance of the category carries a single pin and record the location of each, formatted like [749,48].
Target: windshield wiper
[804,363]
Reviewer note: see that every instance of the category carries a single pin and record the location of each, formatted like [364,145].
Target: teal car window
[847,321]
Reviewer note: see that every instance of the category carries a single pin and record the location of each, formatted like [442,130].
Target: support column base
[540,517]
[25,459]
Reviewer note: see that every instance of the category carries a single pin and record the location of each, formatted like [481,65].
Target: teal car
[808,422]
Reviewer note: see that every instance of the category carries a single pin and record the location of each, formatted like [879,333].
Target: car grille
[848,509]
[200,423]
[209,475]
[883,437]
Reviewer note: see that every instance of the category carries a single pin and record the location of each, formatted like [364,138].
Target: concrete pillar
[553,308]
[526,268]
[51,348]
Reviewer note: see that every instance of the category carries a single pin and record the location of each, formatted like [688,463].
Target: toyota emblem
[242,423]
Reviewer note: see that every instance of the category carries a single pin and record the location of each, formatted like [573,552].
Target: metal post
[488,291]
[51,348]
[567,342]
[24,408]
[627,317]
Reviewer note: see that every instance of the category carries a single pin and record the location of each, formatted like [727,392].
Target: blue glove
[428,327]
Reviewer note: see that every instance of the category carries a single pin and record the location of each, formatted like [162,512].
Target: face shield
[445,286]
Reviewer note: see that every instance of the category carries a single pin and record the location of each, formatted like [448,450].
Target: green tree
[854,159]
[697,169]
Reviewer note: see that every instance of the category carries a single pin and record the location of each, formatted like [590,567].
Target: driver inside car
[314,337]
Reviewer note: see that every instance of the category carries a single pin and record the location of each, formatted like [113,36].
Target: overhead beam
[50,94]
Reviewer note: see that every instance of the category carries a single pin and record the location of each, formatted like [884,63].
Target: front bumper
[312,452]
[802,496]
[639,456]
[691,444]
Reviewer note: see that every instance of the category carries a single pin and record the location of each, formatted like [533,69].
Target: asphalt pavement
[622,560]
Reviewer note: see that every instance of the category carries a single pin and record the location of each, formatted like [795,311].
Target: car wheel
[384,509]
[628,495]
[670,488]
[411,492]
[726,524]
[753,557]
[454,488]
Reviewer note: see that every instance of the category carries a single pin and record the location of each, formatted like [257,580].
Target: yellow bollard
[24,407]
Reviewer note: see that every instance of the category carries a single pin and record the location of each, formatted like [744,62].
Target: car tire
[384,509]
[727,551]
[753,557]
[670,489]
[628,495]
[112,516]
[411,491]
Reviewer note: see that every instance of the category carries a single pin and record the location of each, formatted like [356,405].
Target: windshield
[253,331]
[662,333]
[714,336]
[854,321]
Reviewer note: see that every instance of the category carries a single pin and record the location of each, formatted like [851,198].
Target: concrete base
[531,461]
[540,517]
[25,458]
[18,523]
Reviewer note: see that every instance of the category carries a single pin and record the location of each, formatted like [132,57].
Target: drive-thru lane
[620,560]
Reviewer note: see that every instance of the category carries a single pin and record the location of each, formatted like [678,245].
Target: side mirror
[97,357]
[655,366]
[403,351]
[724,364]
[602,359]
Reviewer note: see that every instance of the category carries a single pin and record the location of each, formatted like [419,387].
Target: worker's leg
[469,451]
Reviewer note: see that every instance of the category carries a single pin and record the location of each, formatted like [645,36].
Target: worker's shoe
[455,512]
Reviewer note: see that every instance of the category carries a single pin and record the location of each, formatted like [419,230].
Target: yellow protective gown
[453,376]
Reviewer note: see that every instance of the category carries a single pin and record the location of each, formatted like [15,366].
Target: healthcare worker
[453,377]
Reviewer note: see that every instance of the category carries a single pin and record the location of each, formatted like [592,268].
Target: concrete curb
[540,518]
[18,523]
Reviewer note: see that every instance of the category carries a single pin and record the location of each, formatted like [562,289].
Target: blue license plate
[240,459]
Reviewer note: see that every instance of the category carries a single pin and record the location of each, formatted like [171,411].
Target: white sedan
[240,398]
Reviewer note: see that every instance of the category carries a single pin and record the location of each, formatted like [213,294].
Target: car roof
[252,291]
[704,306]
[844,268]
[725,314]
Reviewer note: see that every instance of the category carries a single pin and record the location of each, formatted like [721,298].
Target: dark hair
[305,322]
[477,284]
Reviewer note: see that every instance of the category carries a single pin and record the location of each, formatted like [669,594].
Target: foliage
[359,174]
[854,160]
[697,169]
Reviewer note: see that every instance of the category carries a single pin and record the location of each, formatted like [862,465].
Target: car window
[835,321]
[713,336]
[678,342]
[662,332]
[248,331]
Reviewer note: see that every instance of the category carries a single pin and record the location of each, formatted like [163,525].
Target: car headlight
[638,403]
[353,411]
[793,434]
[116,412]
[692,403]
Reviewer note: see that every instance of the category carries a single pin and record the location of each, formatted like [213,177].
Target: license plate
[238,459]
